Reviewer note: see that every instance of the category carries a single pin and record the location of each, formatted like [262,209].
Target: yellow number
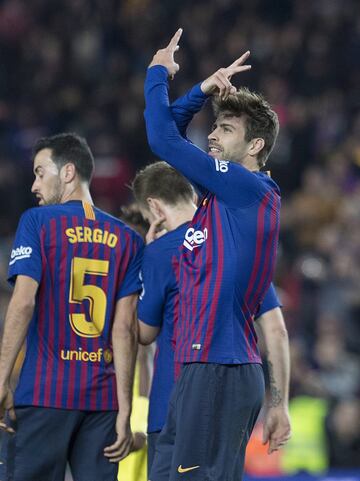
[79,291]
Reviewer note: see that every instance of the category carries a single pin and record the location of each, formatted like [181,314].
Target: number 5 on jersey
[79,291]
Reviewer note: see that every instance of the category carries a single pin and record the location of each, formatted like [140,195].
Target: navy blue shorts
[46,439]
[212,412]
[152,439]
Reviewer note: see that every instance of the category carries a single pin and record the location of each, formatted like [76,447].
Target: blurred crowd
[78,65]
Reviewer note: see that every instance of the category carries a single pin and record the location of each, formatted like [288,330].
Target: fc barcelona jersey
[84,261]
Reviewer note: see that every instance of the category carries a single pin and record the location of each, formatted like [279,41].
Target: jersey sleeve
[185,107]
[26,257]
[153,295]
[270,302]
[131,283]
[229,181]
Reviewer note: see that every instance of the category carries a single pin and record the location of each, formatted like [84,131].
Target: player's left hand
[155,231]
[165,56]
[277,428]
[219,83]
[123,444]
[6,406]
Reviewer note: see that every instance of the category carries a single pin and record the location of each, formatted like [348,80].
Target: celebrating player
[167,198]
[75,270]
[225,269]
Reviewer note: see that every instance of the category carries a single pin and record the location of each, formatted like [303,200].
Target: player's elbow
[155,143]
[147,333]
[25,304]
[145,340]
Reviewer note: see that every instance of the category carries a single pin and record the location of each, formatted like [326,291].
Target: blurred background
[78,65]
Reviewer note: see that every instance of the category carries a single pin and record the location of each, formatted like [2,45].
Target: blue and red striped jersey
[84,261]
[229,250]
[159,307]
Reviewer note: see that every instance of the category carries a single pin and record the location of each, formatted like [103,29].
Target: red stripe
[62,318]
[183,288]
[255,270]
[199,307]
[175,268]
[205,258]
[259,242]
[73,344]
[84,366]
[95,367]
[218,283]
[52,315]
[106,335]
[266,272]
[41,320]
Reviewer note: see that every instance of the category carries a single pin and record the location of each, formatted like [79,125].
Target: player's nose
[34,187]
[212,135]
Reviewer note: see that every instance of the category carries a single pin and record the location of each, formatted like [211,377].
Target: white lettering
[20,253]
[221,165]
[194,238]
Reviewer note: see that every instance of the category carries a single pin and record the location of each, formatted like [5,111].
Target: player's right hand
[124,441]
[6,406]
[165,56]
[219,82]
[155,231]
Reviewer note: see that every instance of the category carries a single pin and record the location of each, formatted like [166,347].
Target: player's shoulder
[37,214]
[268,183]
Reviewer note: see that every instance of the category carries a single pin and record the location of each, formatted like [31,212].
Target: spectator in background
[305,56]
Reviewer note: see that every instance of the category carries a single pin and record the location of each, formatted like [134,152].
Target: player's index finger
[240,60]
[175,39]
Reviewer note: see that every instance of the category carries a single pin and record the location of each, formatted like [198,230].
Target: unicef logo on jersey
[194,238]
[221,165]
[20,253]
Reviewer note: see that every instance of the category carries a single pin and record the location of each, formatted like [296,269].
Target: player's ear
[68,172]
[255,145]
[155,206]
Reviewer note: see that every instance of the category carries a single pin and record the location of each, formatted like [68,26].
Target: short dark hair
[260,120]
[68,147]
[131,215]
[161,181]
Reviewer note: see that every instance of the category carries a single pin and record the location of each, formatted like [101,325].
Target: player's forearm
[17,321]
[163,135]
[125,344]
[276,344]
[185,107]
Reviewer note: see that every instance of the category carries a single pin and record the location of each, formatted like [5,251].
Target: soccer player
[225,269]
[166,198]
[76,276]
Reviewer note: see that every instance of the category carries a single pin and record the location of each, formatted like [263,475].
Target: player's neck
[77,192]
[179,215]
[250,163]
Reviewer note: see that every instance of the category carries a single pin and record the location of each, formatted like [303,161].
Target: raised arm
[229,181]
[185,107]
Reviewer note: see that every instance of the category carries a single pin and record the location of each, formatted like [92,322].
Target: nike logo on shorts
[186,470]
